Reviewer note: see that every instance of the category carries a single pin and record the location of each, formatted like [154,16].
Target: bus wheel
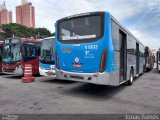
[131,78]
[147,69]
[144,69]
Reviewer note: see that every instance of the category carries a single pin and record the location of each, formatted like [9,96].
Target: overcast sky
[141,17]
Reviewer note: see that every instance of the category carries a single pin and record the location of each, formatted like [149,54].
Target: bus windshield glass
[47,51]
[12,53]
[80,28]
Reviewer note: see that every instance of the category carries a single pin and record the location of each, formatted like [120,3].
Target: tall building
[25,14]
[5,15]
[3,6]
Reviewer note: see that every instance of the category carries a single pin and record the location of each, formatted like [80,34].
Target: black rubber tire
[148,69]
[131,78]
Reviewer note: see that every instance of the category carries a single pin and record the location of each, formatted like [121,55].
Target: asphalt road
[46,95]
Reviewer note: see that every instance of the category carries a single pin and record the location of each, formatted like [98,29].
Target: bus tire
[143,68]
[148,69]
[131,78]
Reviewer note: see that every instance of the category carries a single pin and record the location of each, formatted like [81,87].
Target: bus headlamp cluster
[20,66]
[41,68]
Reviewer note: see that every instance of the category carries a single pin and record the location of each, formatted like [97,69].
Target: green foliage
[53,34]
[17,30]
[43,32]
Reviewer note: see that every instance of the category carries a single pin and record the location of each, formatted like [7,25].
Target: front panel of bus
[17,53]
[1,50]
[12,56]
[83,45]
[47,62]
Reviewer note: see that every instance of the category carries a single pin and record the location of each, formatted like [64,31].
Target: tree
[31,32]
[17,30]
[7,32]
[53,34]
[42,33]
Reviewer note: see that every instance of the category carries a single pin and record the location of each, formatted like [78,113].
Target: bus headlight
[20,66]
[41,67]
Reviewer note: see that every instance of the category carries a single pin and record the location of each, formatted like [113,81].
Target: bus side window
[30,52]
[39,50]
[115,36]
[33,51]
[131,46]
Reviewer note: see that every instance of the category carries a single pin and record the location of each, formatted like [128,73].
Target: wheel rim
[131,78]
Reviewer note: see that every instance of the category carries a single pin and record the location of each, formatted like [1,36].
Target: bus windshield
[47,51]
[80,28]
[11,53]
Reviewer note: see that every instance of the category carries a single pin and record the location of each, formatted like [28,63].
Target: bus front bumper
[95,78]
[45,72]
[18,71]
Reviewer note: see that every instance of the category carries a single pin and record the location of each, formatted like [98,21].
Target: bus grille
[8,70]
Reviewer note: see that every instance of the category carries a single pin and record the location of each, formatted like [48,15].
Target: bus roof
[48,38]
[25,39]
[81,14]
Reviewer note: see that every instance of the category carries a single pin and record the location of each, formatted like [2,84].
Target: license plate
[50,73]
[77,65]
[76,77]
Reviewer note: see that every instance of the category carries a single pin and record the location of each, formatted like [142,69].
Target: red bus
[158,60]
[1,49]
[149,59]
[20,51]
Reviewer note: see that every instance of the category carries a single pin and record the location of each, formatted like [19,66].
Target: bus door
[137,58]
[123,56]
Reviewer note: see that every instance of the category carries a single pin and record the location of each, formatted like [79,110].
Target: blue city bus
[47,62]
[95,48]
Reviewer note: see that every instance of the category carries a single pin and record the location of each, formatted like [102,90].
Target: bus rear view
[81,52]
[95,48]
